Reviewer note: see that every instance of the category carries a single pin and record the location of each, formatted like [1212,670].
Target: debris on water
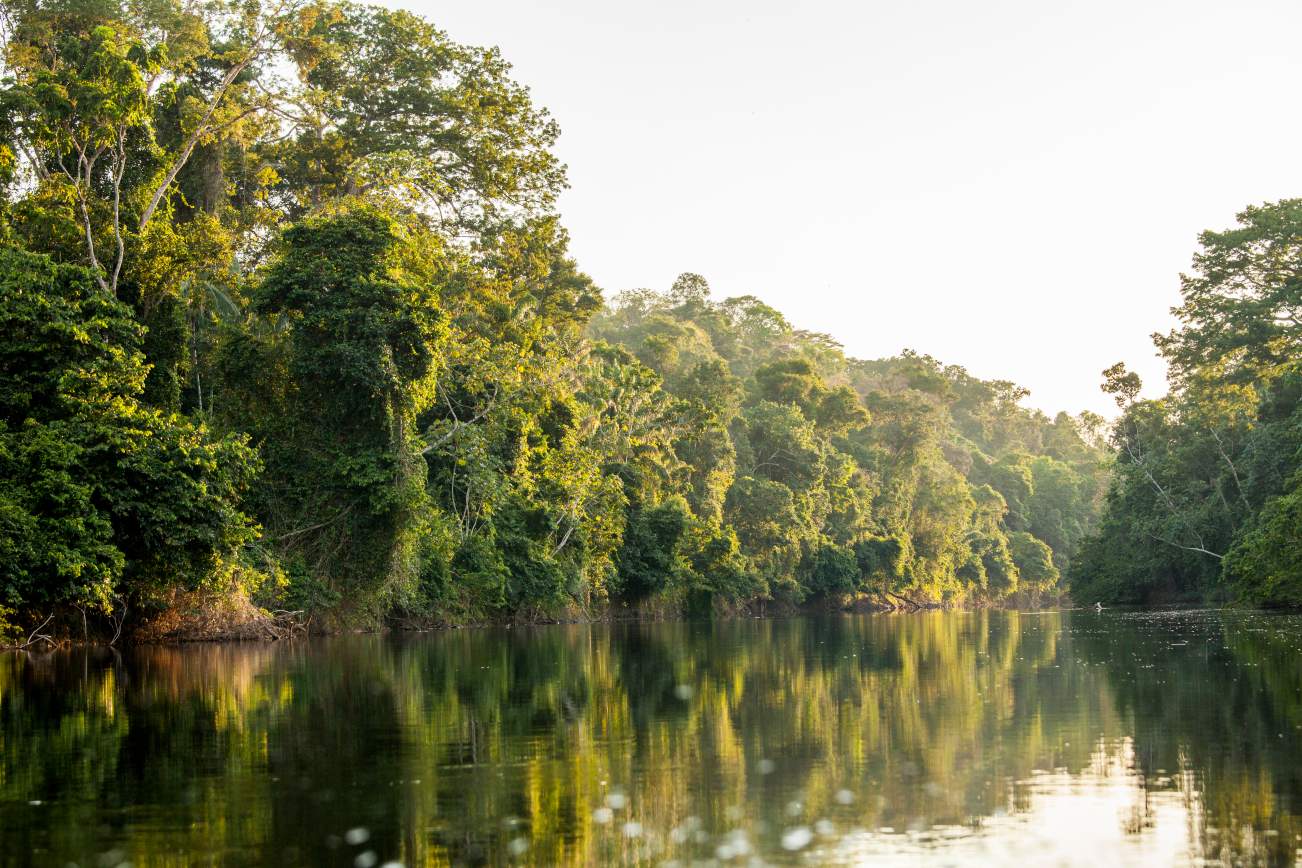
[797,838]
[734,845]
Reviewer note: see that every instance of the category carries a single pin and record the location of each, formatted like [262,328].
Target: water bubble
[616,801]
[603,816]
[734,846]
[794,808]
[518,846]
[683,692]
[740,845]
[358,835]
[796,838]
[844,797]
[366,859]
[392,865]
[766,766]
[632,829]
[826,828]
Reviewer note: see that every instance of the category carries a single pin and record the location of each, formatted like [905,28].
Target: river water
[987,738]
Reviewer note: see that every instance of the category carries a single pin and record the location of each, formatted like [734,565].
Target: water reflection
[980,737]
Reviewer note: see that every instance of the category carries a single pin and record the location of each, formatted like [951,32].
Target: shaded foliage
[1203,502]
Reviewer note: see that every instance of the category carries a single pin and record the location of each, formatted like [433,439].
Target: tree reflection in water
[985,736]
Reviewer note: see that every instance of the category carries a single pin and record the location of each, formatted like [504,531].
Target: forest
[289,332]
[1205,502]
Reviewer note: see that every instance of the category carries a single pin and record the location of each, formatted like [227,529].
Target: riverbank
[190,617]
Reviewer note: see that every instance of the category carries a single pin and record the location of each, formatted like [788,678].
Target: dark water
[954,738]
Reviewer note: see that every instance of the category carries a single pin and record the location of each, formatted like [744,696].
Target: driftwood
[37,637]
[911,605]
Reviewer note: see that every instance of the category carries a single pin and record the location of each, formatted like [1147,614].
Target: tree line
[1206,497]
[288,320]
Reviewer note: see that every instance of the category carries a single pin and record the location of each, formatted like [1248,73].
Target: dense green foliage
[288,313]
[98,490]
[1206,501]
[898,478]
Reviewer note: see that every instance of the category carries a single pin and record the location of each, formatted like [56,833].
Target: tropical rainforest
[1206,497]
[288,325]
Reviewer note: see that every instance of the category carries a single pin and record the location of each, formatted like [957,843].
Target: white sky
[1009,185]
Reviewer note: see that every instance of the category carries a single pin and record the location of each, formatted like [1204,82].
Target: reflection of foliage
[246,753]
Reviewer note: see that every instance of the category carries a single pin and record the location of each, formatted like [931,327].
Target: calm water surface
[947,737]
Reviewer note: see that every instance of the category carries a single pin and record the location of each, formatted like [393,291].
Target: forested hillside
[899,478]
[1206,502]
[287,316]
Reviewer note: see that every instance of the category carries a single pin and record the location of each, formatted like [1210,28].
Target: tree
[1034,560]
[102,496]
[650,558]
[1201,489]
[88,84]
[1241,307]
[360,352]
[1265,564]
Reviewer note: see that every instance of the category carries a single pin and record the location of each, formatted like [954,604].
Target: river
[984,738]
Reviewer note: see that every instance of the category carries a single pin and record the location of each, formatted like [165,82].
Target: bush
[99,494]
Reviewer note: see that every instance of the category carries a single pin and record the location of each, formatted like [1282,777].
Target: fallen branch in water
[36,637]
[911,605]
[287,623]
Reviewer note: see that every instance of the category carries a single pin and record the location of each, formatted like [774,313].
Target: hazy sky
[1009,185]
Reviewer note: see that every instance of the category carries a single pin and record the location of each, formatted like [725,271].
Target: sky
[1009,185]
